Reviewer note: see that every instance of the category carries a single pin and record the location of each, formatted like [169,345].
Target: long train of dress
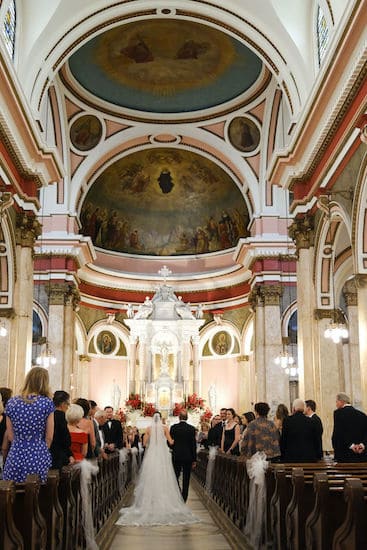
[157,497]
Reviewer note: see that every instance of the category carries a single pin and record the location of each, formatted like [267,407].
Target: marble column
[302,232]
[246,390]
[81,387]
[196,365]
[63,299]
[141,365]
[132,364]
[27,229]
[353,369]
[186,364]
[361,282]
[331,379]
[272,381]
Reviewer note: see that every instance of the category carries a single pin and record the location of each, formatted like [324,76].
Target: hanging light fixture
[3,329]
[46,357]
[337,330]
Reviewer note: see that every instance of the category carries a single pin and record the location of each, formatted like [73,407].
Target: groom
[183,451]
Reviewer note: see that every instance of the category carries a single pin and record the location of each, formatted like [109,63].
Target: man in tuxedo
[349,437]
[112,430]
[100,418]
[60,446]
[183,451]
[310,411]
[299,439]
[216,433]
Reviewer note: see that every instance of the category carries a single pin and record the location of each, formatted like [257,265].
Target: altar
[164,359]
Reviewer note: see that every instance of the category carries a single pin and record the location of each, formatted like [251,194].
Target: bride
[157,497]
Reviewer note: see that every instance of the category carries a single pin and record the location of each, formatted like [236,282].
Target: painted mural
[86,132]
[164,201]
[244,134]
[165,66]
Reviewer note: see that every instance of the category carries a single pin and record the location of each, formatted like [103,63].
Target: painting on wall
[221,342]
[165,65]
[86,132]
[106,342]
[164,201]
[244,134]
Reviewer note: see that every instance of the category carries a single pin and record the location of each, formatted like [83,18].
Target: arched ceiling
[220,72]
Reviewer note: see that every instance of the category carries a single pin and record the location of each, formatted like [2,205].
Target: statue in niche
[212,395]
[115,395]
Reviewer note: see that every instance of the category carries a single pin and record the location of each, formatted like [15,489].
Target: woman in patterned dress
[30,427]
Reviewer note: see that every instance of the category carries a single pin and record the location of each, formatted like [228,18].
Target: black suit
[183,453]
[113,433]
[215,435]
[299,441]
[60,446]
[350,426]
[319,428]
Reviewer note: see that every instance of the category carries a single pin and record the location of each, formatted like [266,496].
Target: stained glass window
[9,27]
[322,34]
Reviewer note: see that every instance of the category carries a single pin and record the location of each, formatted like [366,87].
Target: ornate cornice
[361,280]
[270,294]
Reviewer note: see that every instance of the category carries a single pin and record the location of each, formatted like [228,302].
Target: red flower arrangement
[134,402]
[149,409]
[193,403]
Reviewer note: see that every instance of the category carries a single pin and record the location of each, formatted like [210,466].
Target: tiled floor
[200,536]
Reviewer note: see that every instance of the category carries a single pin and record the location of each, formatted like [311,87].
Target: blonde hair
[74,414]
[36,382]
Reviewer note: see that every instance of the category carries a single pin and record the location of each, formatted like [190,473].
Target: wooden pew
[10,537]
[352,534]
[51,510]
[68,506]
[27,514]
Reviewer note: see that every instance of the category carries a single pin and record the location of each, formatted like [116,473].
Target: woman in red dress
[79,438]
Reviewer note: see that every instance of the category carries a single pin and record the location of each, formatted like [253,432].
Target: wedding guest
[113,430]
[202,438]
[87,425]
[79,438]
[299,440]
[5,395]
[261,435]
[60,446]
[216,436]
[310,411]
[100,418]
[231,435]
[30,428]
[213,439]
[280,414]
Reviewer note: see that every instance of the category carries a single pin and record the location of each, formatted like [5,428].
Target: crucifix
[164,272]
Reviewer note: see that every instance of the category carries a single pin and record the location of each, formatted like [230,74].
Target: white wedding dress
[157,497]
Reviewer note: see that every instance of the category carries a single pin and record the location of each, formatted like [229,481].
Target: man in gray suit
[183,451]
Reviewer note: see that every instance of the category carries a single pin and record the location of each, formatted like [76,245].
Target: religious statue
[212,395]
[115,395]
[145,309]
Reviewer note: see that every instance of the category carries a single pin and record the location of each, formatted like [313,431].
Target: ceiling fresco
[164,201]
[165,66]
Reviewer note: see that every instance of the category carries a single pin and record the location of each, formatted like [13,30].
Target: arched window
[293,328]
[9,28]
[322,31]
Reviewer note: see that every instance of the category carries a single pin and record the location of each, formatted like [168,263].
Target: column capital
[243,358]
[27,229]
[85,358]
[270,294]
[72,297]
[361,280]
[57,293]
[350,292]
[301,231]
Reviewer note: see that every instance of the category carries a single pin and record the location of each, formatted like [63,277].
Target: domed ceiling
[164,201]
[165,66]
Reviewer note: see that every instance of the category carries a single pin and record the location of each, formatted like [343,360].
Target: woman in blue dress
[30,426]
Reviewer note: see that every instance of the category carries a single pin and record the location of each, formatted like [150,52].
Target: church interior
[183,200]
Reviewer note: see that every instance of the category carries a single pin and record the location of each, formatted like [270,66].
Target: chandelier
[46,357]
[286,360]
[336,331]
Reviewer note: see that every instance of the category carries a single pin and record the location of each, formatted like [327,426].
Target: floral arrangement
[193,403]
[121,416]
[149,409]
[134,402]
